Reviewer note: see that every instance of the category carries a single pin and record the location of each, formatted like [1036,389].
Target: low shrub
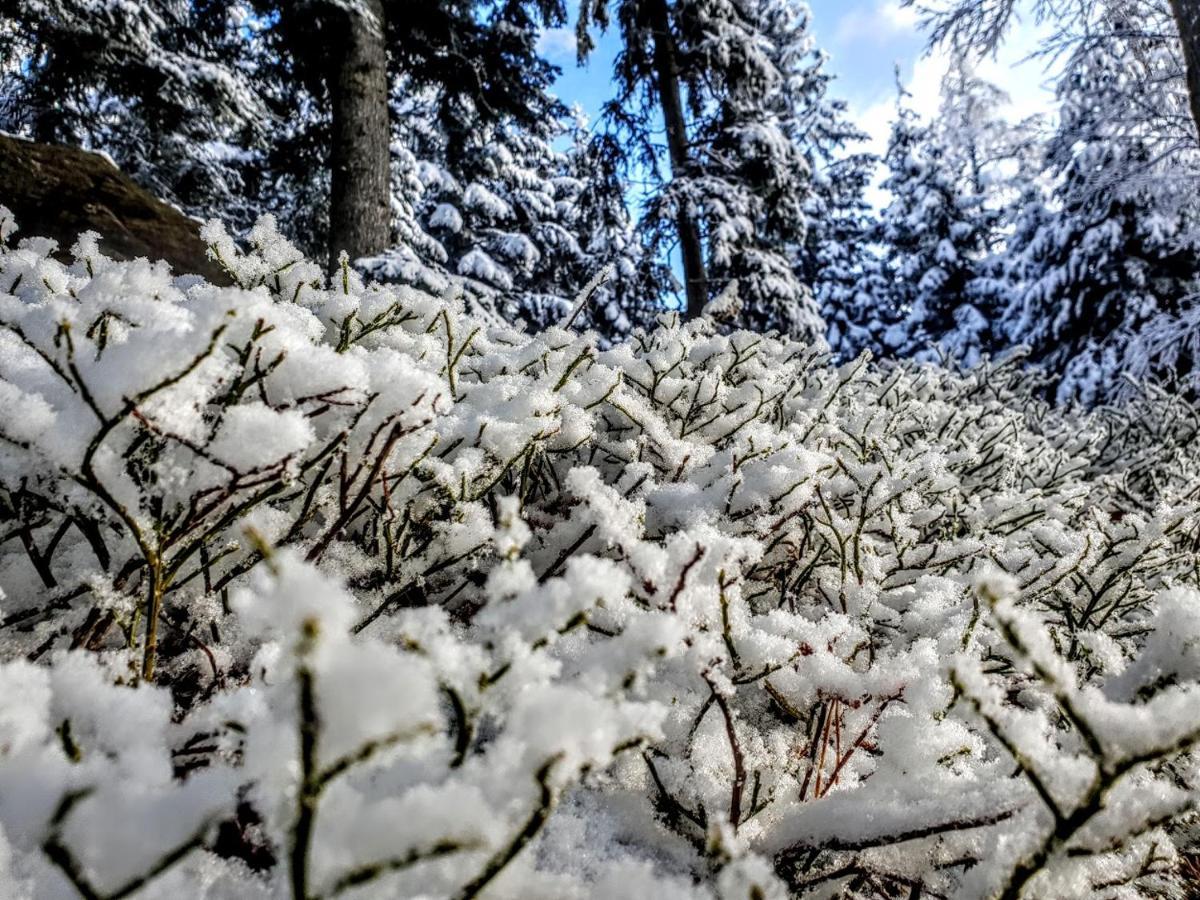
[331,589]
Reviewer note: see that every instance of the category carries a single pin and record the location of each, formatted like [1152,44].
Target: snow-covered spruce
[320,591]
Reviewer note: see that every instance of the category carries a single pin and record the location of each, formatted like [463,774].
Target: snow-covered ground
[321,590]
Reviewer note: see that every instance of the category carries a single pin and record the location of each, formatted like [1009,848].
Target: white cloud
[883,23]
[1014,70]
[557,45]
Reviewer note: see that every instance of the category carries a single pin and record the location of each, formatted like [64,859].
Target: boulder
[59,192]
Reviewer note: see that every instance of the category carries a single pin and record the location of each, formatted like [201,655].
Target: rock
[59,192]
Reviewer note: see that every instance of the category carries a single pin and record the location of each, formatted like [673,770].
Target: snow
[254,435]
[702,612]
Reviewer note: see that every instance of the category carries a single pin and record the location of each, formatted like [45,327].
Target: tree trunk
[1187,19]
[666,66]
[359,201]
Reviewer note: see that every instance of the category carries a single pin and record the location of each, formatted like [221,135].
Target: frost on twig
[339,584]
[585,295]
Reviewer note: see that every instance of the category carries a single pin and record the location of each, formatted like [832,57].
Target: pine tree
[636,284]
[735,199]
[752,177]
[479,59]
[499,217]
[211,102]
[648,76]
[510,218]
[937,287]
[415,256]
[359,217]
[1116,246]
[836,259]
[992,157]
[839,260]
[871,310]
[857,298]
[1168,98]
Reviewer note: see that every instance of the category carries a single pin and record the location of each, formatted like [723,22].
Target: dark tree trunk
[359,200]
[666,65]
[1187,19]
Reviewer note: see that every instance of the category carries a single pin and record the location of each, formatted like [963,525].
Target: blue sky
[865,40]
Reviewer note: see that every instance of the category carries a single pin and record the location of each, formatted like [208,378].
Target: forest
[676,498]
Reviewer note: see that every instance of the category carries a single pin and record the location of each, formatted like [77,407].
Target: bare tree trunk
[666,65]
[359,201]
[1187,19]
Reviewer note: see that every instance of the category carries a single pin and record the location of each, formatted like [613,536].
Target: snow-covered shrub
[316,590]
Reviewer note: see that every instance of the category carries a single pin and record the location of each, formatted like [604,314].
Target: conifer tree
[414,255]
[480,60]
[648,75]
[837,254]
[1168,29]
[839,260]
[1115,247]
[741,173]
[498,217]
[636,282]
[752,179]
[510,222]
[871,310]
[938,286]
